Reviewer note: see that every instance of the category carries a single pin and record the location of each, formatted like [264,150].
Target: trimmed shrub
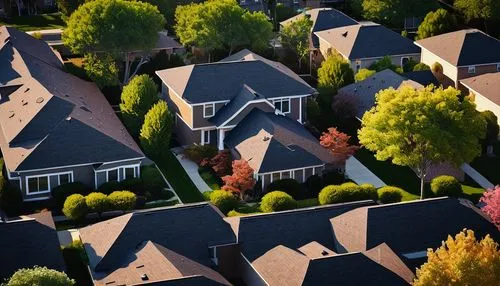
[75,207]
[277,201]
[11,198]
[206,195]
[389,194]
[122,200]
[421,67]
[314,184]
[289,186]
[224,200]
[446,186]
[332,194]
[234,213]
[135,185]
[197,153]
[39,276]
[109,187]
[157,129]
[347,192]
[60,193]
[369,190]
[97,202]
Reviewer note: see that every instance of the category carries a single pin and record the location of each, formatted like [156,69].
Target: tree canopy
[461,261]
[363,74]
[392,12]
[479,9]
[116,28]
[241,180]
[385,63]
[491,205]
[295,37]
[418,128]
[334,73]
[338,144]
[436,23]
[39,276]
[157,129]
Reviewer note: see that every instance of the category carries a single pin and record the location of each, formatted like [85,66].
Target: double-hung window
[471,69]
[208,110]
[112,175]
[498,67]
[65,178]
[282,105]
[129,172]
[205,137]
[38,185]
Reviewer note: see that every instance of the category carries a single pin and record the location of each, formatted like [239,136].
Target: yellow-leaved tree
[462,261]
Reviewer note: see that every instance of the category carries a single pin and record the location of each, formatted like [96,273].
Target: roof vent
[11,114]
[26,90]
[68,118]
[84,108]
[23,102]
[39,100]
[66,95]
[345,34]
[266,138]
[324,252]
[140,266]
[144,277]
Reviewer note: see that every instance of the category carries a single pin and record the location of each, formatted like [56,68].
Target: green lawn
[177,177]
[37,22]
[489,166]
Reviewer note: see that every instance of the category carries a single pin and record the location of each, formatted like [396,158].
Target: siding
[184,134]
[449,70]
[176,104]
[198,120]
[483,103]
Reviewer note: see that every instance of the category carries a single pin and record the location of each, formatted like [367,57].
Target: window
[113,175]
[205,137]
[282,105]
[404,61]
[472,69]
[498,67]
[38,185]
[285,175]
[208,110]
[65,178]
[276,177]
[129,172]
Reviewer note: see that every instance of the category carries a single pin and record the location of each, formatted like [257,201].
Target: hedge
[390,194]
[314,184]
[224,200]
[289,186]
[75,207]
[277,201]
[61,192]
[122,200]
[446,186]
[109,187]
[97,202]
[346,192]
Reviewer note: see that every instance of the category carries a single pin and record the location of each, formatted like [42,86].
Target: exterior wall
[228,258]
[396,60]
[198,120]
[449,70]
[463,73]
[261,105]
[184,134]
[483,104]
[300,175]
[177,105]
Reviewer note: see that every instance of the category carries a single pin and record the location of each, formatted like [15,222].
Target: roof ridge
[167,208]
[399,204]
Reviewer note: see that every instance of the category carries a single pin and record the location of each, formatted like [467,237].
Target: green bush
[289,186]
[60,193]
[277,201]
[369,190]
[11,198]
[389,194]
[437,68]
[347,192]
[39,276]
[135,185]
[122,200]
[333,178]
[151,178]
[97,202]
[421,67]
[109,187]
[157,129]
[331,194]
[75,207]
[224,200]
[234,213]
[446,186]
[197,153]
[206,195]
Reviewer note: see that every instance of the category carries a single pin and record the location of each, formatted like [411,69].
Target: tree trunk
[126,72]
[422,182]
[19,7]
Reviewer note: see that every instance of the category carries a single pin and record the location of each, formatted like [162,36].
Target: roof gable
[485,85]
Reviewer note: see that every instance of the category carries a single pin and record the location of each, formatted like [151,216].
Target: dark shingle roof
[368,40]
[293,229]
[485,85]
[27,242]
[271,142]
[464,47]
[187,230]
[411,226]
[222,80]
[425,78]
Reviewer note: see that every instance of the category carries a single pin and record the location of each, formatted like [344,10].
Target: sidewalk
[191,169]
[478,178]
[360,174]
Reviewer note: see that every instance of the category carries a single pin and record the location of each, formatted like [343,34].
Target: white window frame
[471,69]
[117,174]
[70,173]
[498,67]
[125,172]
[120,178]
[403,58]
[205,137]
[281,100]
[205,115]
[37,193]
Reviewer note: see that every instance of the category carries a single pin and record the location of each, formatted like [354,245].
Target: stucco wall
[483,104]
[177,105]
[429,59]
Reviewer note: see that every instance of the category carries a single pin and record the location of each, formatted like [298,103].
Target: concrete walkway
[360,174]
[191,169]
[478,178]
[67,236]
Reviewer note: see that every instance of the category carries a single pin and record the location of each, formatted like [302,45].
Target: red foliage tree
[338,143]
[241,180]
[491,200]
[221,163]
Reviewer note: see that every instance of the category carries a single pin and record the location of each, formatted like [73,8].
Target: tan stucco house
[485,90]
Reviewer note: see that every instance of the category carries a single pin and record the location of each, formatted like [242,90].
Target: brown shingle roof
[487,85]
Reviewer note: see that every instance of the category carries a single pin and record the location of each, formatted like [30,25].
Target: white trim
[70,173]
[28,193]
[204,111]
[401,60]
[300,111]
[255,270]
[136,174]
[471,69]
[36,199]
[268,98]
[210,102]
[243,107]
[289,170]
[282,100]
[79,165]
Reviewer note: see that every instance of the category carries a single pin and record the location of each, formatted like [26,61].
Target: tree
[295,37]
[484,10]
[117,28]
[217,24]
[364,74]
[157,129]
[385,63]
[221,163]
[491,207]
[394,12]
[333,74]
[136,100]
[461,261]
[492,130]
[40,276]
[101,69]
[421,67]
[67,7]
[338,143]
[241,180]
[419,128]
[75,207]
[436,23]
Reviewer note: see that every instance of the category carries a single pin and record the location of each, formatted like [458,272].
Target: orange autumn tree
[462,260]
[338,143]
[241,180]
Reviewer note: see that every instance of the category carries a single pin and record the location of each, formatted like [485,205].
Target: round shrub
[75,207]
[206,195]
[134,185]
[277,201]
[446,186]
[289,186]
[332,194]
[60,193]
[389,194]
[314,184]
[224,200]
[97,202]
[122,200]
[437,68]
[347,192]
[369,191]
[39,276]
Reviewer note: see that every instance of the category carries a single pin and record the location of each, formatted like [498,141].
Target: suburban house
[365,43]
[322,19]
[485,89]
[28,241]
[56,128]
[432,220]
[462,54]
[183,245]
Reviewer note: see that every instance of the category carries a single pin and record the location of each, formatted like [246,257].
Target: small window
[285,175]
[113,175]
[38,185]
[498,67]
[276,177]
[282,105]
[472,69]
[208,110]
[206,136]
[404,61]
[129,173]
[65,178]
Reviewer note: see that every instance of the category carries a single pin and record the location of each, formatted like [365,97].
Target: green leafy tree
[394,12]
[485,10]
[39,276]
[295,37]
[284,12]
[419,128]
[334,73]
[421,67]
[137,98]
[101,69]
[75,207]
[117,28]
[157,129]
[436,23]
[364,74]
[385,63]
[67,7]
[492,130]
